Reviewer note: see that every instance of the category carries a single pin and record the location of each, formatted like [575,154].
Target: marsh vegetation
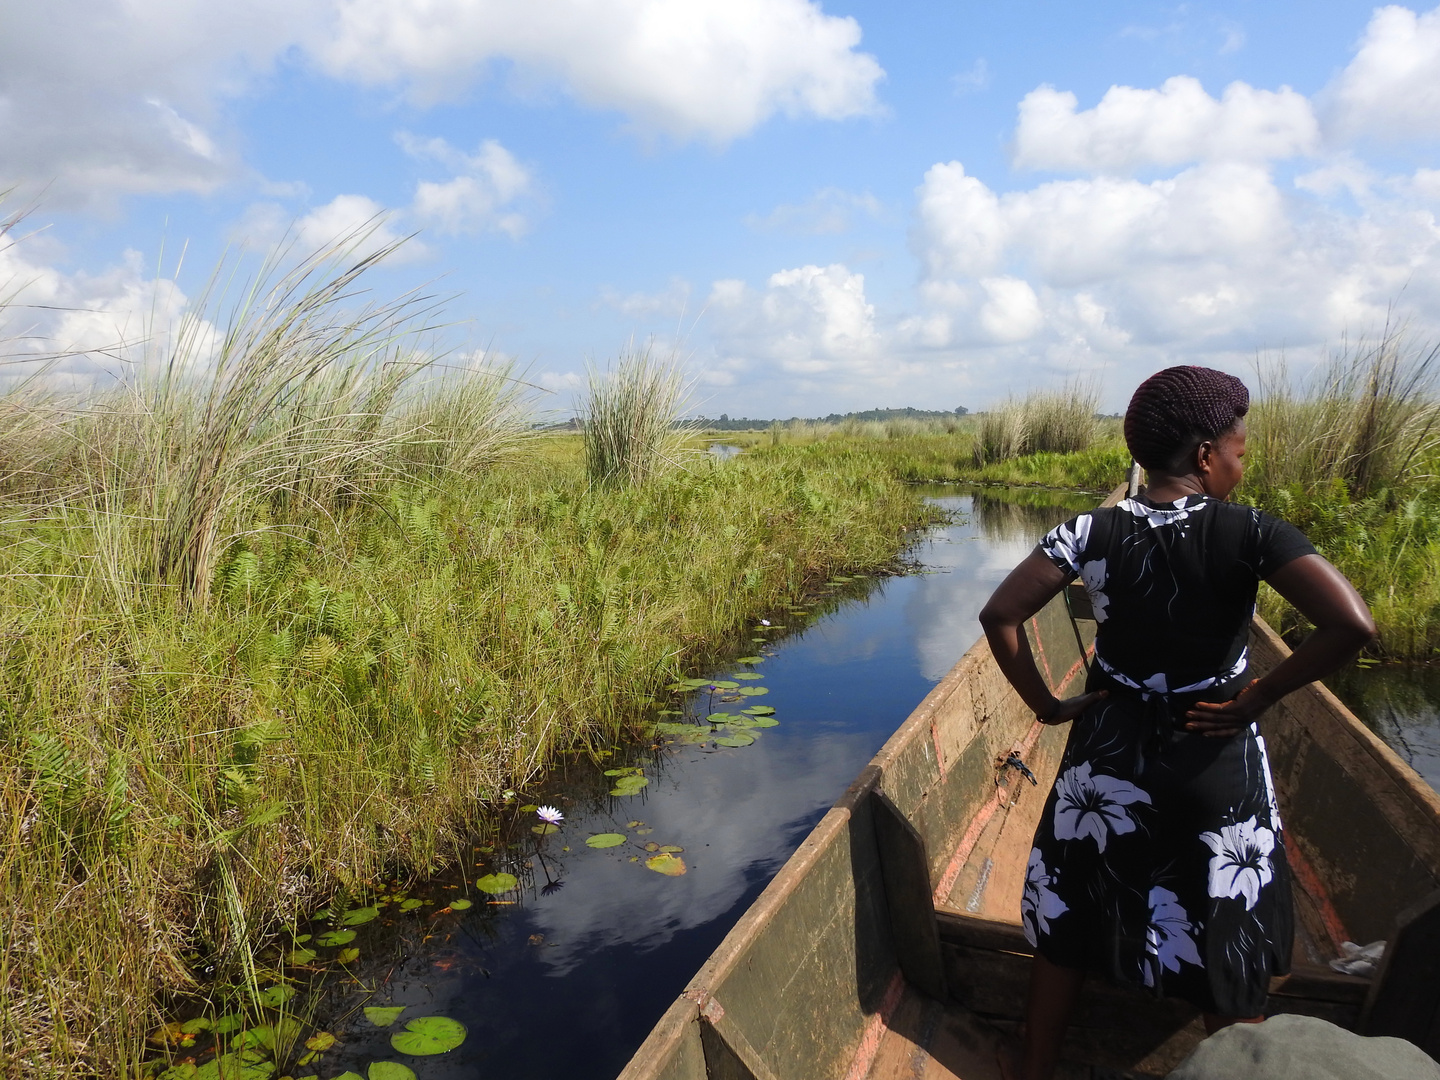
[294,602]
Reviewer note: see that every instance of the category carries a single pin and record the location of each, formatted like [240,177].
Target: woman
[1158,859]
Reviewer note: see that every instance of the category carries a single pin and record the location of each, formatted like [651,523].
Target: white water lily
[1167,938]
[1094,806]
[549,814]
[1093,575]
[1039,904]
[1240,865]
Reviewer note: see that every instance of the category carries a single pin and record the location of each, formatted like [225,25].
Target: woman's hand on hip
[1225,719]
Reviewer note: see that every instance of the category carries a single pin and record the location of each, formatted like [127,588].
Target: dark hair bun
[1175,410]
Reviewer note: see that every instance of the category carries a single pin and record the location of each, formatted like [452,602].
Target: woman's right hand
[1068,709]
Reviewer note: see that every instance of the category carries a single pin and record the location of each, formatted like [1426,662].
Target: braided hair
[1177,409]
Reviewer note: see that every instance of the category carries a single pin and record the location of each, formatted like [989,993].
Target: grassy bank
[293,603]
[179,779]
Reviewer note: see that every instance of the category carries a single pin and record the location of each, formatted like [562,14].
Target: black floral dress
[1159,859]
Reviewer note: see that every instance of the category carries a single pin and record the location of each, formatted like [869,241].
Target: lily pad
[321,1040]
[667,864]
[765,721]
[629,785]
[751,660]
[184,1071]
[390,1070]
[300,956]
[460,905]
[738,738]
[411,904]
[275,996]
[652,846]
[348,1075]
[197,1025]
[426,1035]
[348,956]
[671,727]
[620,772]
[383,1015]
[228,1023]
[529,808]
[748,675]
[633,824]
[243,1066]
[720,717]
[605,840]
[359,915]
[760,710]
[673,849]
[754,691]
[332,938]
[544,829]
[495,884]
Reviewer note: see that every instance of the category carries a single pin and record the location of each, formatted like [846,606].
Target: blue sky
[821,207]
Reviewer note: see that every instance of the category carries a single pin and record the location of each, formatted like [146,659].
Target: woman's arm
[1024,592]
[1343,626]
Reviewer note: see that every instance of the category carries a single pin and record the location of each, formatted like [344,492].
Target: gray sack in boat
[1303,1048]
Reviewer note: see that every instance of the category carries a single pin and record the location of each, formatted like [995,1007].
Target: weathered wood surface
[1355,814]
[1405,1000]
[905,870]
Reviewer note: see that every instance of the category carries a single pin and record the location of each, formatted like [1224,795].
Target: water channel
[565,975]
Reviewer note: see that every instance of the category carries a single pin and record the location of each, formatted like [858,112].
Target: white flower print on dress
[1167,938]
[1093,575]
[1240,865]
[1039,904]
[1155,516]
[1094,806]
[1275,822]
[1065,544]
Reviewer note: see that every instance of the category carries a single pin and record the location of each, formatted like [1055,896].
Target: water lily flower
[764,622]
[549,815]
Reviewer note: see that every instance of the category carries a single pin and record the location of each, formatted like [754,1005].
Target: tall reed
[1062,422]
[630,418]
[1367,415]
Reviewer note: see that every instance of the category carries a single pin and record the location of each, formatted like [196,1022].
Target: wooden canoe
[890,943]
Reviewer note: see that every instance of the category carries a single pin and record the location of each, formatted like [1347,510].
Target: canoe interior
[891,941]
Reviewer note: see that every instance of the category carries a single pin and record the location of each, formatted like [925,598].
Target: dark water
[1401,704]
[567,981]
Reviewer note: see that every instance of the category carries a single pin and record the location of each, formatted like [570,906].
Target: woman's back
[1173,585]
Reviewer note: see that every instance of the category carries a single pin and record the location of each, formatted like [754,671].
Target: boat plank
[928,1041]
[672,1050]
[797,982]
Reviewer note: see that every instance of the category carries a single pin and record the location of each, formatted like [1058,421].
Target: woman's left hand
[1225,719]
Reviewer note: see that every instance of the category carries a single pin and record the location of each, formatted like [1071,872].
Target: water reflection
[1401,704]
[568,983]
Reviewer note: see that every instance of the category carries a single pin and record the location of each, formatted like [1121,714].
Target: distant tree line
[740,423]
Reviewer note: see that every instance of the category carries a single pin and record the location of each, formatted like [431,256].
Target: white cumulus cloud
[479,198]
[808,320]
[708,68]
[1177,124]
[1391,89]
[105,98]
